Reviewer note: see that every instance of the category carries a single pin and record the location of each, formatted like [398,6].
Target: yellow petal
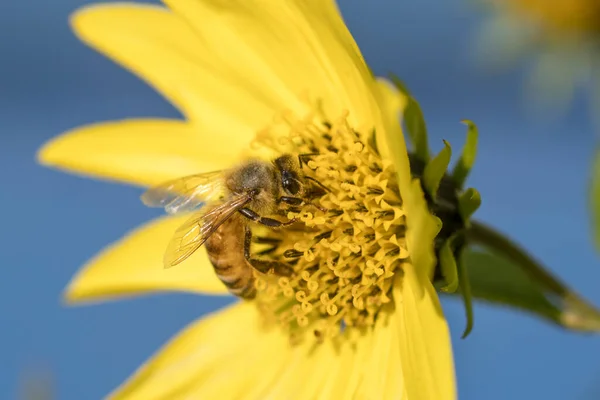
[390,138]
[164,50]
[230,79]
[425,346]
[381,368]
[284,49]
[422,226]
[139,152]
[227,355]
[366,365]
[134,266]
[230,355]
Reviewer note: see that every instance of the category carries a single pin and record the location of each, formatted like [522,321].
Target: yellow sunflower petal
[425,347]
[406,355]
[139,152]
[422,225]
[284,49]
[227,355]
[214,358]
[390,138]
[380,366]
[162,48]
[305,374]
[134,266]
[365,366]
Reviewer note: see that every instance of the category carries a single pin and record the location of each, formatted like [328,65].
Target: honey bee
[227,201]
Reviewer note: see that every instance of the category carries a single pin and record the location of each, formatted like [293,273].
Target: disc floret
[351,245]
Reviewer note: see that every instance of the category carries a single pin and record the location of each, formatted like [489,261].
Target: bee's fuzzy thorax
[256,175]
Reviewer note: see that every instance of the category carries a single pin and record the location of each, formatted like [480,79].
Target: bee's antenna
[317,182]
[303,158]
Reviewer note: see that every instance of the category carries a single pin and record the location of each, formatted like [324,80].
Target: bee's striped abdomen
[225,249]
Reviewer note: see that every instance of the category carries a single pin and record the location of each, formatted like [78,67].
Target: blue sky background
[532,174]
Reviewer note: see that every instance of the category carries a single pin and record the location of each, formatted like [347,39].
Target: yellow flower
[256,78]
[560,35]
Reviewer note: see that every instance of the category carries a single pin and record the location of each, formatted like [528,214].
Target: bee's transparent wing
[193,233]
[187,193]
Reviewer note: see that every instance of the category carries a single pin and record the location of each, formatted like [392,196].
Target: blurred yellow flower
[561,36]
[251,77]
[559,17]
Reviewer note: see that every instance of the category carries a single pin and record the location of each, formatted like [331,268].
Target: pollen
[349,243]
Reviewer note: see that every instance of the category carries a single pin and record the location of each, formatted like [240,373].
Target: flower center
[352,242]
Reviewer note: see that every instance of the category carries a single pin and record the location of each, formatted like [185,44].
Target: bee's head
[289,171]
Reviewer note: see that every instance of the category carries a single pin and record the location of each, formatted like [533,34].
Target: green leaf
[448,266]
[496,279]
[436,169]
[467,159]
[414,121]
[501,272]
[468,202]
[595,198]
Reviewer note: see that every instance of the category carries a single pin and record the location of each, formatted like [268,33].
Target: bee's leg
[267,251]
[293,201]
[274,242]
[296,201]
[264,266]
[284,211]
[270,222]
[265,240]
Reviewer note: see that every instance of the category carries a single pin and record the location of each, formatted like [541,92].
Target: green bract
[446,198]
[476,261]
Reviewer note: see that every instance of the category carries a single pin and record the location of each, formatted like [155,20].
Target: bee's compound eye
[290,184]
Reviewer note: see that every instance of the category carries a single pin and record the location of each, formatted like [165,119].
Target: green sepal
[448,267]
[468,202]
[467,159]
[414,121]
[436,169]
[466,294]
[501,272]
[456,279]
[400,85]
